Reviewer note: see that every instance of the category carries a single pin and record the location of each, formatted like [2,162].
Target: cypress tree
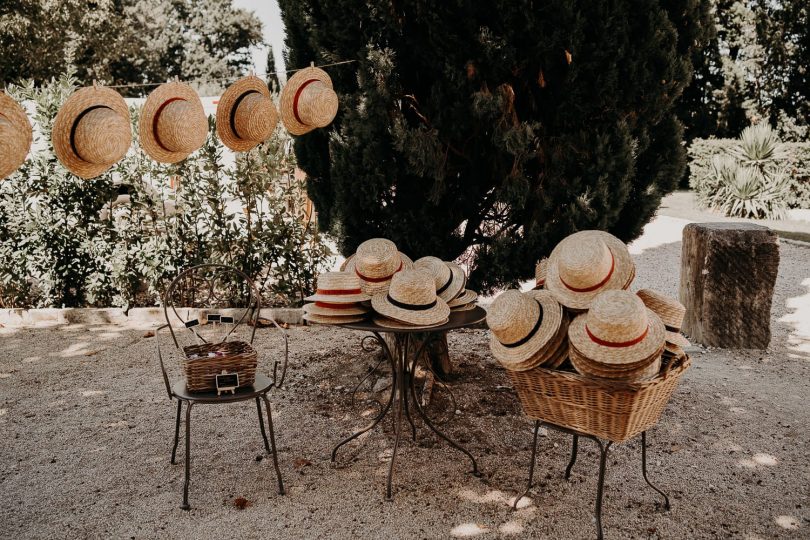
[491,130]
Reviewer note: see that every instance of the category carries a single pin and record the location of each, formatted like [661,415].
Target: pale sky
[270,15]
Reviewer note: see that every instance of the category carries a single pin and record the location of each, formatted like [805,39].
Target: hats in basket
[173,123]
[527,328]
[375,263]
[92,132]
[671,312]
[449,277]
[308,101]
[540,273]
[15,135]
[246,115]
[617,333]
[412,299]
[586,263]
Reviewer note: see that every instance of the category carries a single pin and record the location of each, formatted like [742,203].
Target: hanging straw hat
[586,263]
[523,325]
[671,312]
[308,101]
[91,131]
[618,330]
[15,135]
[173,123]
[338,288]
[449,278]
[412,299]
[375,263]
[246,115]
[540,272]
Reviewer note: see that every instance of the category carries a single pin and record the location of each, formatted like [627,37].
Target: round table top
[458,319]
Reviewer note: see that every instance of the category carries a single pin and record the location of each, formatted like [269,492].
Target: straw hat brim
[456,285]
[349,310]
[466,297]
[464,307]
[387,322]
[649,371]
[558,360]
[162,95]
[338,299]
[225,109]
[287,99]
[15,114]
[350,264]
[345,264]
[603,354]
[678,339]
[323,319]
[623,271]
[551,321]
[76,105]
[424,317]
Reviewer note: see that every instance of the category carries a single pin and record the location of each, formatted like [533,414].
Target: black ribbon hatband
[413,307]
[531,333]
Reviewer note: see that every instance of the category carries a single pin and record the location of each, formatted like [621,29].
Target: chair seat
[261,385]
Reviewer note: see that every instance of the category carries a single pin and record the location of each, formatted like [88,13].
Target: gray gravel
[87,431]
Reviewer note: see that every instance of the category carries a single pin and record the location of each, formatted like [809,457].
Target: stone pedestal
[728,272]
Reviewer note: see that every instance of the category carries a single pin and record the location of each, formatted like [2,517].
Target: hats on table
[412,299]
[308,101]
[375,263]
[528,329]
[617,338]
[449,277]
[540,272]
[585,264]
[671,312]
[92,132]
[173,124]
[336,300]
[246,115]
[465,298]
[15,135]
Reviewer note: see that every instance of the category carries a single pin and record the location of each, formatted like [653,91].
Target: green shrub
[117,239]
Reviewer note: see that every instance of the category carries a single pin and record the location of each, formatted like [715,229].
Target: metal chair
[222,299]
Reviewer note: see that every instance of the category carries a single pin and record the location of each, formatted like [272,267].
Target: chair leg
[261,424]
[644,469]
[185,505]
[531,466]
[273,444]
[574,447]
[177,429]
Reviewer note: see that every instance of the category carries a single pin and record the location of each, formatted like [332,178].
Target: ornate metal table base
[604,448]
[403,385]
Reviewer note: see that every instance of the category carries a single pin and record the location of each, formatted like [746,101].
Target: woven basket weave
[237,357]
[613,411]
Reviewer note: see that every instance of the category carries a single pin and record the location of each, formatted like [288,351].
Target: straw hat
[335,310]
[91,131]
[345,264]
[392,323]
[15,135]
[671,312]
[412,299]
[308,101]
[338,288]
[523,325]
[540,272]
[449,277]
[173,123]
[586,263]
[375,263]
[641,373]
[246,115]
[466,297]
[617,330]
[322,319]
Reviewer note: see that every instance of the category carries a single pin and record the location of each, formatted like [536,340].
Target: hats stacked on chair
[337,300]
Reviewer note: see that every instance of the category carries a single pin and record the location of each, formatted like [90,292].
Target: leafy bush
[117,239]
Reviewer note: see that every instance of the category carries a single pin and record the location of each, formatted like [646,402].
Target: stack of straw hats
[337,300]
[91,132]
[375,263]
[671,313]
[15,135]
[450,282]
[173,124]
[308,101]
[528,330]
[410,302]
[246,115]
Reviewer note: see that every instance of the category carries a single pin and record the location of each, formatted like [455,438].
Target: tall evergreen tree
[491,130]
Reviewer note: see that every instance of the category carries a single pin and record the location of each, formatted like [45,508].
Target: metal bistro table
[403,366]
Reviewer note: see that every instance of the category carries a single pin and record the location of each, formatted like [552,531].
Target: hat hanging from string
[246,115]
[15,135]
[173,124]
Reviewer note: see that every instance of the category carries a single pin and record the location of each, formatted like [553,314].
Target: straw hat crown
[308,101]
[15,135]
[338,288]
[246,115]
[91,131]
[585,264]
[173,123]
[377,258]
[617,317]
[512,316]
[413,287]
[411,298]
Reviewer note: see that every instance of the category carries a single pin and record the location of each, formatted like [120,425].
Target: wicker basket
[605,409]
[236,357]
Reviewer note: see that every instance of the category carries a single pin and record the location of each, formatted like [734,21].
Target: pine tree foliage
[492,130]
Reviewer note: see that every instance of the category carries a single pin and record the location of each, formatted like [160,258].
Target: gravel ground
[87,432]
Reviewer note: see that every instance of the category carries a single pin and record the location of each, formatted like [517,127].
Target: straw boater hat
[91,131]
[325,319]
[467,296]
[540,272]
[618,330]
[449,278]
[15,135]
[523,325]
[412,299]
[173,123]
[586,263]
[375,263]
[308,101]
[338,288]
[246,115]
[671,312]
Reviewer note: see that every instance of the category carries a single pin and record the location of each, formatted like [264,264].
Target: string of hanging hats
[15,135]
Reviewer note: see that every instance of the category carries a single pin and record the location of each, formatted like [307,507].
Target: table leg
[400,406]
